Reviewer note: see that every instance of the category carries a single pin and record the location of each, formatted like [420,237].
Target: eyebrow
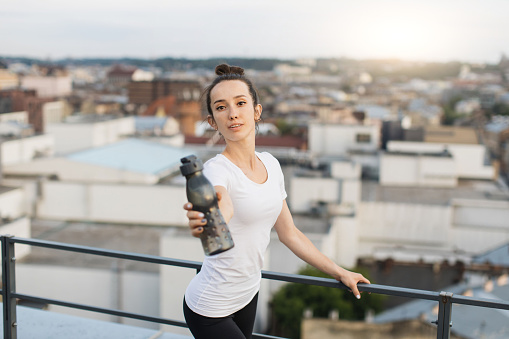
[220,100]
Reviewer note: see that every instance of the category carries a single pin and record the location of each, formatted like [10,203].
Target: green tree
[285,127]
[450,114]
[290,302]
[500,109]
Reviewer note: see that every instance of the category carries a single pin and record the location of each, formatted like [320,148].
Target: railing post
[444,315]
[9,287]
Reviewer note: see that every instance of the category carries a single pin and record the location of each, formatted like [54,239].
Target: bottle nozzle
[190,164]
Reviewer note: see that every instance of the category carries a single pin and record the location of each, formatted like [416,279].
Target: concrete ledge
[34,323]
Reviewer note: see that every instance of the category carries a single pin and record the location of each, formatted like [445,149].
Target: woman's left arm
[299,244]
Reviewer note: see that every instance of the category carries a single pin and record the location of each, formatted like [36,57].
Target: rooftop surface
[467,189]
[5,189]
[118,237]
[498,256]
[467,321]
[34,323]
[133,155]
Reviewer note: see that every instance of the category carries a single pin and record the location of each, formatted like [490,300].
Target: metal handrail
[444,299]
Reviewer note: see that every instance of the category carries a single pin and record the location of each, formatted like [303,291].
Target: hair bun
[224,69]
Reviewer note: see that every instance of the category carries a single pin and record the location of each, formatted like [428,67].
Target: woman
[220,301]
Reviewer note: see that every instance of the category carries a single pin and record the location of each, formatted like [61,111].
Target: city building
[467,322]
[53,83]
[329,139]
[146,92]
[83,131]
[16,100]
[8,79]
[496,137]
[120,75]
[164,97]
[13,216]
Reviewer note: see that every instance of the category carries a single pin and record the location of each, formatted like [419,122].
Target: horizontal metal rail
[107,253]
[444,298]
[99,310]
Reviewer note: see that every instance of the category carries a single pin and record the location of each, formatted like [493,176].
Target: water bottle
[216,237]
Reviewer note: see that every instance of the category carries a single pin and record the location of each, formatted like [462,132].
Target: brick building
[120,75]
[146,92]
[17,100]
[162,97]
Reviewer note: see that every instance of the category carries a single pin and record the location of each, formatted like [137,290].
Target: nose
[233,114]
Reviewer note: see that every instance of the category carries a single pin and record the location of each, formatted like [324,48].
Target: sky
[431,30]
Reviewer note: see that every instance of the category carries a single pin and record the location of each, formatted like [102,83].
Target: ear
[211,121]
[258,112]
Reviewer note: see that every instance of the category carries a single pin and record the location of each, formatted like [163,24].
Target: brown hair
[226,72]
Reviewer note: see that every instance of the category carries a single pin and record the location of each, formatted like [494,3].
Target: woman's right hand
[196,220]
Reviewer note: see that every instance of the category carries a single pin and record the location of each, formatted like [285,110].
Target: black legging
[238,325]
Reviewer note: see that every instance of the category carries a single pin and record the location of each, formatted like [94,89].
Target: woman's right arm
[197,219]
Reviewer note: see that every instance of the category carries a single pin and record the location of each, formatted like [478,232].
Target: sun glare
[404,39]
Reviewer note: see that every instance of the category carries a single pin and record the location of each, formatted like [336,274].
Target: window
[363,138]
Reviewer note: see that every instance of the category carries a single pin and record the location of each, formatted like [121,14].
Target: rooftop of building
[498,124]
[497,257]
[5,189]
[468,322]
[450,135]
[133,155]
[141,239]
[36,323]
[81,118]
[373,191]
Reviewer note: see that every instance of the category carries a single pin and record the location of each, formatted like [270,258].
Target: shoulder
[216,162]
[268,159]
[217,165]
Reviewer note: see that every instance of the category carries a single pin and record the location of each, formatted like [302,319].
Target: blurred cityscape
[397,168]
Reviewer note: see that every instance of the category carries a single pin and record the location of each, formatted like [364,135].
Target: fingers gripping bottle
[216,237]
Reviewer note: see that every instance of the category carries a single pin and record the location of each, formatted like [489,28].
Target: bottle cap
[190,165]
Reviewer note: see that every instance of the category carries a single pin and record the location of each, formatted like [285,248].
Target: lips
[234,126]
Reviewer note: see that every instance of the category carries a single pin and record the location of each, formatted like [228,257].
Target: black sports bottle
[216,237]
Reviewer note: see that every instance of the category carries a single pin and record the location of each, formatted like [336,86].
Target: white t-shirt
[228,281]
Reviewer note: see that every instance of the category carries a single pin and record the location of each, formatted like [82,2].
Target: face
[233,112]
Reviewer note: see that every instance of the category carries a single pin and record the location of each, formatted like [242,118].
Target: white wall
[21,117]
[482,214]
[177,140]
[69,170]
[136,292]
[71,137]
[24,150]
[469,158]
[12,204]
[53,112]
[30,192]
[351,192]
[107,132]
[19,228]
[438,171]
[135,204]
[342,242]
[405,224]
[305,191]
[336,139]
[345,170]
[466,225]
[48,86]
[417,170]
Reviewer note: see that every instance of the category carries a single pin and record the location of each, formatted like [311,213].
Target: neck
[241,154]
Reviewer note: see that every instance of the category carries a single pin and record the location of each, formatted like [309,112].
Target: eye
[241,103]
[220,108]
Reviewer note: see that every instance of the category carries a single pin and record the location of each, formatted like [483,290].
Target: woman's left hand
[351,279]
